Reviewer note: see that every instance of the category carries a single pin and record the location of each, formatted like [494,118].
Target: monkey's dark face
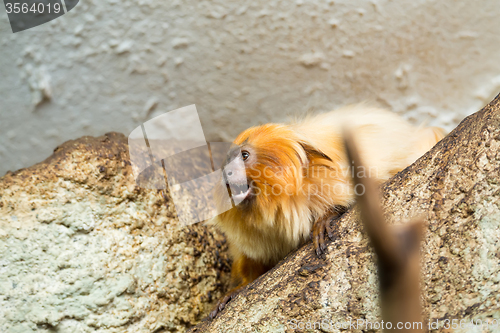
[264,166]
[235,174]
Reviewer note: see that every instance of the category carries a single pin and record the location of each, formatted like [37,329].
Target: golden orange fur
[299,171]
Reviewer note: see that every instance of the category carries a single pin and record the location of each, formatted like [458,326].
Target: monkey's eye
[245,155]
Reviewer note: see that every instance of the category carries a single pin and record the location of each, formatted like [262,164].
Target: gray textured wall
[110,65]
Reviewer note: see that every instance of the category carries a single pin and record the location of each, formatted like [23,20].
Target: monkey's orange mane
[277,173]
[288,177]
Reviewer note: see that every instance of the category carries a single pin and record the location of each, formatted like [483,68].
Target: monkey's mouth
[239,192]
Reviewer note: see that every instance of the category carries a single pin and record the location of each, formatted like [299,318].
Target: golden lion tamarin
[290,180]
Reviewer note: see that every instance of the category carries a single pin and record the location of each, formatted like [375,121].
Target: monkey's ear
[313,153]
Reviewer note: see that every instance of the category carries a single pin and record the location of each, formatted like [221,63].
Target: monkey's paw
[221,304]
[322,226]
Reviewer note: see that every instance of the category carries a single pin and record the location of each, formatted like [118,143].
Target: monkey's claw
[221,304]
[321,226]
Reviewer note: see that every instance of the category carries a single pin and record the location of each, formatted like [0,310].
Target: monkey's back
[386,141]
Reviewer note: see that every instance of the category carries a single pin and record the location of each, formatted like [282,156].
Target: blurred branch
[397,251]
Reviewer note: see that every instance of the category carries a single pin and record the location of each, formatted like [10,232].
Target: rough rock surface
[456,188]
[83,249]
